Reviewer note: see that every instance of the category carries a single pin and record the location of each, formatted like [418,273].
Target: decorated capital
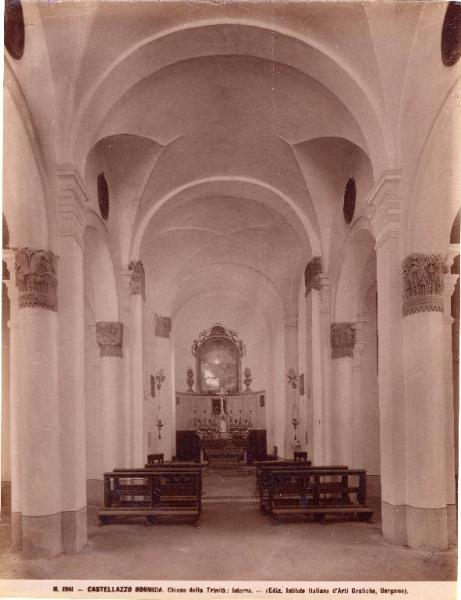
[36,278]
[423,283]
[343,337]
[137,278]
[312,274]
[109,336]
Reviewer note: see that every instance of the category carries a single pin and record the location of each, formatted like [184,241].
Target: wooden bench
[264,479]
[318,491]
[158,491]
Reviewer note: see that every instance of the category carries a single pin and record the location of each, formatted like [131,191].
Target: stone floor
[233,542]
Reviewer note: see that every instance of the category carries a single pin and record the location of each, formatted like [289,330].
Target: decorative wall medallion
[162,326]
[450,43]
[103,196]
[137,279]
[36,278]
[423,283]
[350,194]
[109,336]
[343,338]
[312,274]
[14,30]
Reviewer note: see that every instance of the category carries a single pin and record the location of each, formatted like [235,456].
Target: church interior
[230,289]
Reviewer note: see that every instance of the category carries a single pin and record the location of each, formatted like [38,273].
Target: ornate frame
[217,332]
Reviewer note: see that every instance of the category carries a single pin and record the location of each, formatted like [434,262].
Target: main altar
[217,421]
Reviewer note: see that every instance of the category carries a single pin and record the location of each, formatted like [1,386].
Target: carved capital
[312,275]
[162,326]
[36,278]
[109,336]
[137,279]
[343,337]
[423,283]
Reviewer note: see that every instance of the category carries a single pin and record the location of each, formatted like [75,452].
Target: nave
[234,542]
[230,233]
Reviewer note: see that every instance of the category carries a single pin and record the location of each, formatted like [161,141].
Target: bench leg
[319,517]
[365,517]
[103,520]
[150,520]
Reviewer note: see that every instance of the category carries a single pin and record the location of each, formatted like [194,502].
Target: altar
[217,421]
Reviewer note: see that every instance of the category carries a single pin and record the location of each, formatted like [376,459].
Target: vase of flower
[248,379]
[190,379]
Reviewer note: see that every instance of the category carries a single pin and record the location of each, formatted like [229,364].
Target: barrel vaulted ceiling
[227,131]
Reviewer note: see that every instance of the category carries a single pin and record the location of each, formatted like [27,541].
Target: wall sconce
[160,378]
[293,381]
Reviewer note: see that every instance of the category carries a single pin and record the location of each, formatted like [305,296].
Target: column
[314,382]
[426,400]
[343,338]
[137,290]
[35,406]
[109,336]
[15,444]
[291,363]
[384,206]
[356,407]
[325,351]
[450,281]
[71,223]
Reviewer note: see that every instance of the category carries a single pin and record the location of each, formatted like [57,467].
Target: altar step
[228,469]
[230,499]
[229,486]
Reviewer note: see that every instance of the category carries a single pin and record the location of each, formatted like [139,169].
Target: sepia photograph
[230,299]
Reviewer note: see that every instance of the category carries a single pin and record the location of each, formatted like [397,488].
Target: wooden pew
[264,480]
[318,492]
[158,491]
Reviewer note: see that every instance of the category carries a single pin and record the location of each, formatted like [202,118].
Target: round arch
[434,195]
[251,39]
[100,281]
[274,198]
[357,251]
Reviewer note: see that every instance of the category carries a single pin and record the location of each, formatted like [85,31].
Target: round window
[349,200]
[451,34]
[14,29]
[103,196]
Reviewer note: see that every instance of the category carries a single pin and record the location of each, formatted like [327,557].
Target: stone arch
[357,250]
[254,39]
[434,196]
[290,210]
[24,194]
[100,281]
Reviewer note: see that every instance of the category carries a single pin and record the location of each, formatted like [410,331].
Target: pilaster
[384,210]
[71,228]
